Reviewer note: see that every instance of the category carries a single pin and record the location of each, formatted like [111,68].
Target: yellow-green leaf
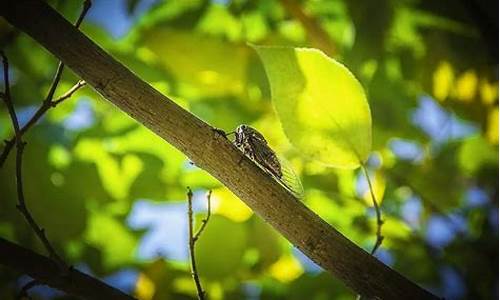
[322,106]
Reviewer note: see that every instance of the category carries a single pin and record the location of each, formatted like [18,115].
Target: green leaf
[476,152]
[109,235]
[218,257]
[321,105]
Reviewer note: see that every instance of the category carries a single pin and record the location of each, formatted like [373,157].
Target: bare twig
[69,93]
[28,286]
[49,102]
[380,222]
[21,206]
[205,220]
[194,237]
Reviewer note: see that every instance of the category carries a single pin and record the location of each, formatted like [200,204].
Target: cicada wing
[266,157]
[290,179]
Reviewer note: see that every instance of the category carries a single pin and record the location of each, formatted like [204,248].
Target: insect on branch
[193,237]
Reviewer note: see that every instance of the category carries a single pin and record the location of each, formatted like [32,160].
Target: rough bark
[211,152]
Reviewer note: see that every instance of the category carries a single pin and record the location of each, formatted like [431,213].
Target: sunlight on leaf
[59,157]
[286,269]
[378,183]
[466,86]
[443,79]
[225,203]
[492,126]
[321,105]
[144,288]
[476,152]
[394,230]
[112,238]
[217,70]
[346,182]
[220,249]
[116,176]
[488,91]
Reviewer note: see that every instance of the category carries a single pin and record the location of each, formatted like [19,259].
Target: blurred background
[112,195]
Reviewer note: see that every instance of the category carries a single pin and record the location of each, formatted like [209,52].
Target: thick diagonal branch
[211,152]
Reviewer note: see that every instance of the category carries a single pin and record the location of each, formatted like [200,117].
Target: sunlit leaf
[144,288]
[218,256]
[492,126]
[59,157]
[443,79]
[286,269]
[466,86]
[476,152]
[112,238]
[216,71]
[488,91]
[117,176]
[266,241]
[378,183]
[228,205]
[321,105]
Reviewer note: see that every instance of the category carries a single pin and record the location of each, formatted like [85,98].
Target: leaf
[321,106]
[474,153]
[220,249]
[112,238]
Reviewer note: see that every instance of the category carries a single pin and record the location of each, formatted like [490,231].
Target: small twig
[49,102]
[28,286]
[380,222]
[194,238]
[21,206]
[205,220]
[69,93]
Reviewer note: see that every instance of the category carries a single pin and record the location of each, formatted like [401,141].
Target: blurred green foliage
[88,165]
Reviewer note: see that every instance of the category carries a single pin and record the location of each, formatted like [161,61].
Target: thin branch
[69,93]
[205,220]
[21,206]
[193,238]
[49,102]
[28,286]
[60,68]
[380,222]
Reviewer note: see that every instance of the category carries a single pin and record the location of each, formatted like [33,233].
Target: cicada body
[253,144]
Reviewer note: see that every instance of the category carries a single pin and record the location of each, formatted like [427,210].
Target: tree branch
[49,102]
[21,206]
[45,271]
[212,152]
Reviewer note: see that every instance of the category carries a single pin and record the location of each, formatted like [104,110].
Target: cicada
[253,144]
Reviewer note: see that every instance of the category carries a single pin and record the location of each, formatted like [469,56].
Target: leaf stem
[378,213]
